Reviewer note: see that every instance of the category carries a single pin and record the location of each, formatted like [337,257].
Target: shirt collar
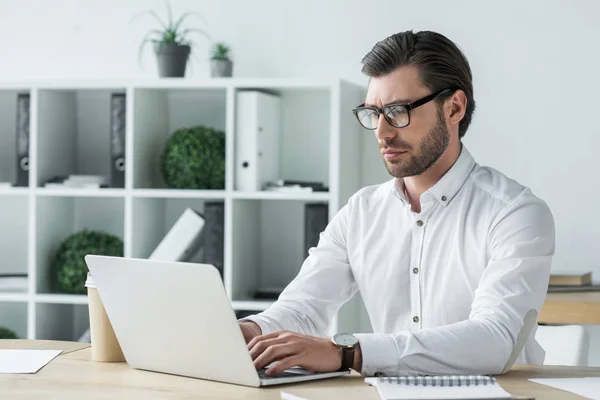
[450,184]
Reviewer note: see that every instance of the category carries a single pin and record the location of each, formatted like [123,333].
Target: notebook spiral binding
[442,381]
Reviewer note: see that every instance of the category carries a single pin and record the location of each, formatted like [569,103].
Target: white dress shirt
[446,289]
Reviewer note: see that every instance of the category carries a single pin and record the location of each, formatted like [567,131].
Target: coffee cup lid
[89,282]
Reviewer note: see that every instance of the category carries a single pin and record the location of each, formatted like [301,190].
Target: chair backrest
[564,345]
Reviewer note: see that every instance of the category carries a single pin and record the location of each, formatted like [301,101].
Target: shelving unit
[69,134]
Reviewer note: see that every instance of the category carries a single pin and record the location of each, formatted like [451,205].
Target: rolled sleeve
[379,354]
[265,327]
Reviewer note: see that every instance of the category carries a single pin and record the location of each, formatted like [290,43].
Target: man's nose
[384,132]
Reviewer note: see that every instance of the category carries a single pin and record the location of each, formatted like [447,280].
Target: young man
[452,259]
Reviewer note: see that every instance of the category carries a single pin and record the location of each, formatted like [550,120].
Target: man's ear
[456,106]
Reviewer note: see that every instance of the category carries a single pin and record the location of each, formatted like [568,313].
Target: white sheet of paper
[25,361]
[587,387]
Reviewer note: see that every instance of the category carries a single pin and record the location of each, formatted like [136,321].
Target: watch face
[345,340]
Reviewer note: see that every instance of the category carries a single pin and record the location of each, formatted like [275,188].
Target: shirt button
[419,223]
[415,320]
[415,271]
[444,198]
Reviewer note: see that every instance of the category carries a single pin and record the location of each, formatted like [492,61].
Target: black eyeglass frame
[408,106]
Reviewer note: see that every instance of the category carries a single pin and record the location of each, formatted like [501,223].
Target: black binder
[117,139]
[316,217]
[214,234]
[23,119]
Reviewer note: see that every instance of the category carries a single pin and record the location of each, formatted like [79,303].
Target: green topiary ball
[194,158]
[69,267]
[6,333]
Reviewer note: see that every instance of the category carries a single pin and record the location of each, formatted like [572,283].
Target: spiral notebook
[438,387]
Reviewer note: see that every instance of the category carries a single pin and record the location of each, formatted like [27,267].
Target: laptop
[176,318]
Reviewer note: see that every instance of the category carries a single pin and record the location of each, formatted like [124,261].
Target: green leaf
[152,13]
[188,14]
[145,40]
[170,15]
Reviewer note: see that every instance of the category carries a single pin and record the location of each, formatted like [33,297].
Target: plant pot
[221,68]
[171,59]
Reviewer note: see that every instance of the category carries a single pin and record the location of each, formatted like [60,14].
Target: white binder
[258,126]
[182,240]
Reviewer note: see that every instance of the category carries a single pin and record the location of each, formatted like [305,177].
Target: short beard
[430,150]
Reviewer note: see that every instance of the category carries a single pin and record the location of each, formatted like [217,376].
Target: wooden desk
[581,308]
[73,376]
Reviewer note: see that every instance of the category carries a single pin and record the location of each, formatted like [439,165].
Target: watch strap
[347,358]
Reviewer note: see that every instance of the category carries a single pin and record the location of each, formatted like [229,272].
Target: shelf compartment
[269,245]
[74,133]
[13,315]
[14,237]
[157,114]
[59,217]
[10,114]
[61,321]
[154,217]
[303,140]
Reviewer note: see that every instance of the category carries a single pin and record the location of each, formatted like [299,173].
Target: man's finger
[285,363]
[263,345]
[274,353]
[264,337]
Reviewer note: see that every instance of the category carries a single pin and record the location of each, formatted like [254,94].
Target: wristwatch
[347,343]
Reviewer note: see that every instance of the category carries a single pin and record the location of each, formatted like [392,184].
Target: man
[452,259]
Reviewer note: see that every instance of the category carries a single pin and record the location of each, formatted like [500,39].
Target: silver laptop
[176,318]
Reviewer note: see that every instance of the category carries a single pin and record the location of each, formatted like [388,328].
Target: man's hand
[250,330]
[293,349]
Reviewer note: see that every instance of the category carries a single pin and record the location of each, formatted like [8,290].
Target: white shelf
[14,191]
[320,141]
[13,297]
[80,192]
[61,298]
[266,195]
[251,305]
[179,194]
[175,83]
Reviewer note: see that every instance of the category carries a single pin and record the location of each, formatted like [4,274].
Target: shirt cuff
[379,354]
[262,324]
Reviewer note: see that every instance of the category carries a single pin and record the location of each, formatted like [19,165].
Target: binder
[23,120]
[214,234]
[183,239]
[258,125]
[316,217]
[117,139]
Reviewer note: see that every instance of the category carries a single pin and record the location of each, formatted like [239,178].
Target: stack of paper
[587,387]
[25,361]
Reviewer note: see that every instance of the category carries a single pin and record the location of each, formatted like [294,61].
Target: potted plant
[172,46]
[69,269]
[220,62]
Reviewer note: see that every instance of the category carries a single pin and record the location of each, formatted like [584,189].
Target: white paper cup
[105,346]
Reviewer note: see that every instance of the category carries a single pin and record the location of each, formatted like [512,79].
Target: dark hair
[440,62]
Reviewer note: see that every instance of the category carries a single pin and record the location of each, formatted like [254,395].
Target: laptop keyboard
[262,374]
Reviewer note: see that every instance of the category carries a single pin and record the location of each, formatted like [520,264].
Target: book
[438,387]
[569,288]
[571,280]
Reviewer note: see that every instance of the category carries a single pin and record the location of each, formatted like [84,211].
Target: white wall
[535,66]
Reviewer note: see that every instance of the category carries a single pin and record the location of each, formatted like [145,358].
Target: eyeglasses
[397,115]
